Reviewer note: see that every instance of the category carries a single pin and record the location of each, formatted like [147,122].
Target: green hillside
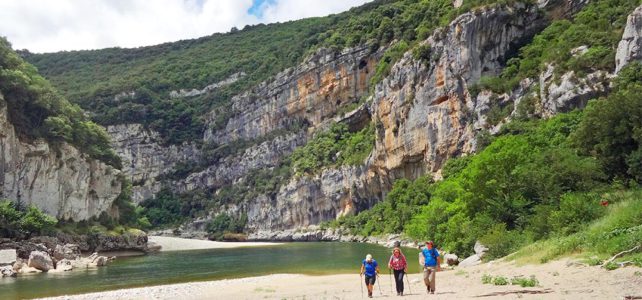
[93,78]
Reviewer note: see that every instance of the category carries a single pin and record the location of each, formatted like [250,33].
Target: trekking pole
[391,280]
[379,284]
[360,280]
[408,280]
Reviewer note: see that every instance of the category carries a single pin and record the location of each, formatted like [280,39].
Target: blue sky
[49,26]
[255,10]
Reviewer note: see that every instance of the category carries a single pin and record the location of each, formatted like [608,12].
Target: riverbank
[181,244]
[557,280]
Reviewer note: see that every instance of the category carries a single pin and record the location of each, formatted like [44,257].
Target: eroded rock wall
[61,181]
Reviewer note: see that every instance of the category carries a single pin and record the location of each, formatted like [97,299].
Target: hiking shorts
[370,280]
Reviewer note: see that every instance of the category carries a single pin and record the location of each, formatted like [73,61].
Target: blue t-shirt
[371,267]
[430,257]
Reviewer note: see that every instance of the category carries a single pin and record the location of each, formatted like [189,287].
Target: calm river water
[201,265]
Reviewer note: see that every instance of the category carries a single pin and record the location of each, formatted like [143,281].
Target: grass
[619,230]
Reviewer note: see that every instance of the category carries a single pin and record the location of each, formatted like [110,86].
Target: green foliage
[17,222]
[224,223]
[618,230]
[165,209]
[37,111]
[422,53]
[598,26]
[501,242]
[487,279]
[336,146]
[527,184]
[129,214]
[525,282]
[500,280]
[575,211]
[390,57]
[403,201]
[454,166]
[612,129]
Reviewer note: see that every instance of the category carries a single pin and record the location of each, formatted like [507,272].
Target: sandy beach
[179,244]
[557,280]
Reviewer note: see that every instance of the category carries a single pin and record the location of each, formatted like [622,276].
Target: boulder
[8,257]
[451,259]
[67,251]
[64,265]
[28,270]
[480,249]
[153,247]
[41,261]
[7,271]
[18,265]
[472,260]
[101,261]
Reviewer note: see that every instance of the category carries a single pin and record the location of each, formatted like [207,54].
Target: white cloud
[284,10]
[48,25]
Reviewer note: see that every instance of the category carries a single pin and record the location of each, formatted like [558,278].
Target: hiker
[432,264]
[399,267]
[370,268]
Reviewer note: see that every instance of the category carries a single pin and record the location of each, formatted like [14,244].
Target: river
[201,265]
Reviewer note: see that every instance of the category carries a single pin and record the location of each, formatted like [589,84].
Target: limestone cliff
[423,113]
[145,158]
[60,180]
[309,93]
[630,48]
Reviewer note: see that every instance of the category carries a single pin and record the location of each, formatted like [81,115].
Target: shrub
[525,282]
[487,279]
[224,224]
[23,222]
[500,280]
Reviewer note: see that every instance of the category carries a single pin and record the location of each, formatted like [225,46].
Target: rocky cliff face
[309,93]
[262,156]
[145,159]
[423,110]
[630,47]
[61,181]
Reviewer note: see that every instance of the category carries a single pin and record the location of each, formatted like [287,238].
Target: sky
[56,25]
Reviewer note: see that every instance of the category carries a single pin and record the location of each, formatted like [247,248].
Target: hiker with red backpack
[399,267]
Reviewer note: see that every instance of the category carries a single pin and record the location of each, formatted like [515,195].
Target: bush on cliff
[334,147]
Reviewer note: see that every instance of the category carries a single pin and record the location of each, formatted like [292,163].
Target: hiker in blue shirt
[432,264]
[370,268]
